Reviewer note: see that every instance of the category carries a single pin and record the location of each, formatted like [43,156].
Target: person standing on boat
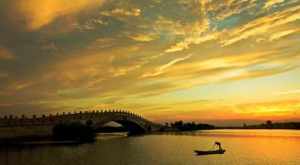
[219,145]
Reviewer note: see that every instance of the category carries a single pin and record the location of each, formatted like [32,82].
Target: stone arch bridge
[13,126]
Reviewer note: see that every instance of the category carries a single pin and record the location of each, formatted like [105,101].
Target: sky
[215,61]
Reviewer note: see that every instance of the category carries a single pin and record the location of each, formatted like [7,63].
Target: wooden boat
[209,152]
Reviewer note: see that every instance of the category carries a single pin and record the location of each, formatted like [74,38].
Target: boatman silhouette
[219,145]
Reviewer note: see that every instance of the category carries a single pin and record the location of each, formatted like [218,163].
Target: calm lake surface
[244,147]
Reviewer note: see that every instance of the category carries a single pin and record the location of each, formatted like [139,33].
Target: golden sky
[202,60]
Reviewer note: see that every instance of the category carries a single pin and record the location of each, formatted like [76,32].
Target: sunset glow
[229,61]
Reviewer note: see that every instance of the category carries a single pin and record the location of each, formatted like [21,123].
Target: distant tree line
[187,126]
[270,125]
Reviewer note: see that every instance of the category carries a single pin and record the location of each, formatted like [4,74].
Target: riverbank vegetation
[270,125]
[186,126]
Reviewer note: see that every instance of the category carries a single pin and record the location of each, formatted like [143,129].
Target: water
[244,147]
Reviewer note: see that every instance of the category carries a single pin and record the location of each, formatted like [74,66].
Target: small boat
[219,151]
[209,152]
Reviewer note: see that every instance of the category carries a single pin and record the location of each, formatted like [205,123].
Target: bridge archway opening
[130,127]
[112,124]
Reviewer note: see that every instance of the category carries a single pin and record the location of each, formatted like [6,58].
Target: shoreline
[49,140]
[35,141]
[40,143]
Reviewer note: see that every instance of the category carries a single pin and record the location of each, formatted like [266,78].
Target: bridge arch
[133,123]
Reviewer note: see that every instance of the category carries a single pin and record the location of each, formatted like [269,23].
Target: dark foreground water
[244,147]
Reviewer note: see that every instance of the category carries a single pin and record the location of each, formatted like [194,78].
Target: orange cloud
[205,110]
[37,14]
[271,3]
[276,109]
[162,68]
[122,12]
[143,37]
[6,54]
[263,25]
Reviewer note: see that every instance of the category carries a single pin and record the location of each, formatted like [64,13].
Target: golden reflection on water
[243,147]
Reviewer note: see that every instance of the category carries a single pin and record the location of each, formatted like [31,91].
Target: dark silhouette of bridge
[134,123]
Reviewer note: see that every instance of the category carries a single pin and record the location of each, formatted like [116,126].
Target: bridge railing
[62,117]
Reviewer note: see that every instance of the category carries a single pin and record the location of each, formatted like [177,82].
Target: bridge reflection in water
[14,126]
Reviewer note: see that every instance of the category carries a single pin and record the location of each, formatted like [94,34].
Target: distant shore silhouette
[77,133]
[268,125]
